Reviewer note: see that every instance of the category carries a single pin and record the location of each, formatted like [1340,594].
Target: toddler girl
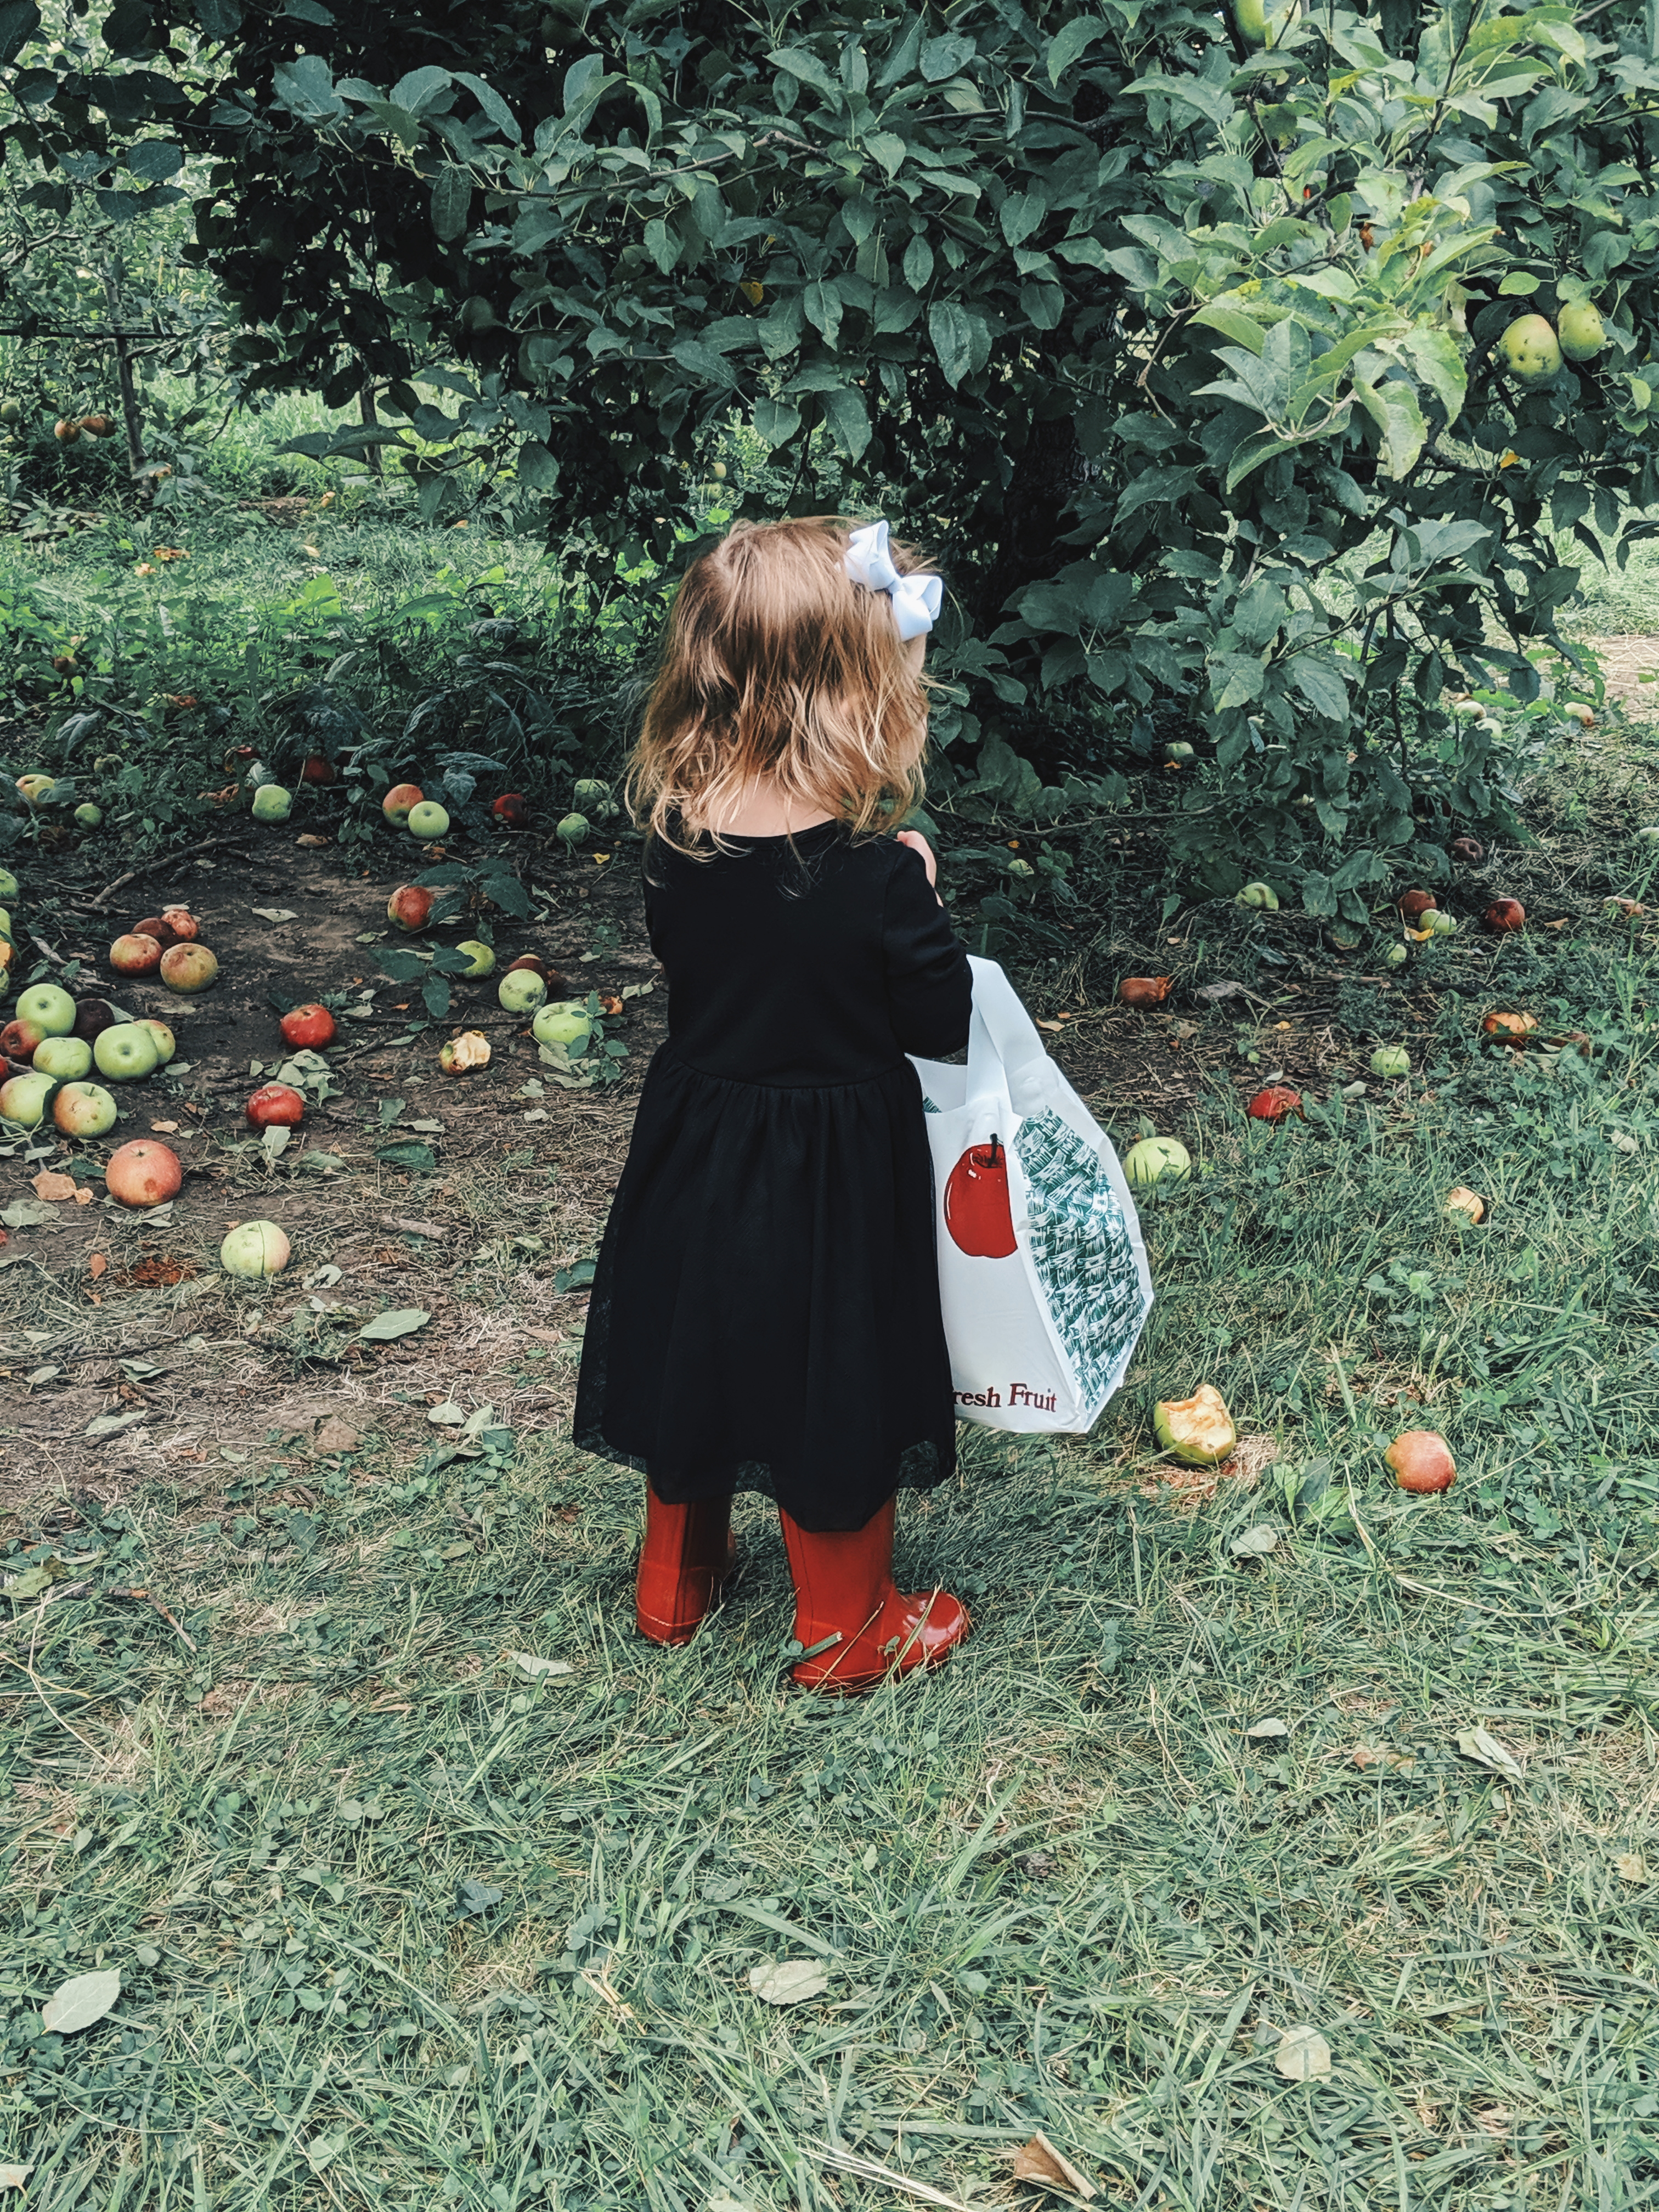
[765,1314]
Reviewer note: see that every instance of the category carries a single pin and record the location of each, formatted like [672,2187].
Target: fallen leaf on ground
[1254,1541]
[1486,1751]
[1055,1026]
[53,1186]
[1039,2161]
[1302,2055]
[1269,1728]
[315,843]
[14,2177]
[1632,1865]
[1372,1755]
[165,1128]
[545,1335]
[274,912]
[81,2003]
[788,1981]
[98,1264]
[401,1322]
[532,1664]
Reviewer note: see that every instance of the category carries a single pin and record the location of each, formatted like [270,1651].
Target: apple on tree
[1581,331]
[1529,350]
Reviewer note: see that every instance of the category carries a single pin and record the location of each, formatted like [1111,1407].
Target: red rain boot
[687,1553]
[844,1588]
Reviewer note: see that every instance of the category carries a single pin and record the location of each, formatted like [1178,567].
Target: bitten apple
[1273,1104]
[1505,914]
[143,1173]
[459,1055]
[1198,1431]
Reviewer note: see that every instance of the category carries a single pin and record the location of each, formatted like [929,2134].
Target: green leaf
[775,421]
[943,58]
[451,197]
[918,263]
[537,467]
[305,88]
[849,419]
[492,104]
[821,303]
[403,1321]
[154,161]
[420,86]
[1433,353]
[951,328]
[412,1158]
[887,148]
[1392,407]
[809,70]
[1074,38]
[18,24]
[435,994]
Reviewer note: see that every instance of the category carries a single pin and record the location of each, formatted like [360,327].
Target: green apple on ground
[188,969]
[521,990]
[1529,350]
[1261,895]
[1396,955]
[53,1009]
[35,788]
[1156,1159]
[591,796]
[571,829]
[1392,1061]
[89,817]
[1439,923]
[566,1021]
[166,1043]
[428,820]
[5,923]
[254,1249]
[23,1098]
[1581,331]
[68,1058]
[8,884]
[83,1109]
[271,803]
[1198,1431]
[126,1052]
[480,956]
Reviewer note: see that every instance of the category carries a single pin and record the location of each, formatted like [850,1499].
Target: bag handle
[1001,1034]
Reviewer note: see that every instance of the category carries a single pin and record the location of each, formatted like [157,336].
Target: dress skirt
[765,1312]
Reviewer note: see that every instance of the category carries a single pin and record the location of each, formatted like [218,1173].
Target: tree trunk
[132,420]
[1046,474]
[371,421]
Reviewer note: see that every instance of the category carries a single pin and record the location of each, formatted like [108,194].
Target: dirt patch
[1630,666]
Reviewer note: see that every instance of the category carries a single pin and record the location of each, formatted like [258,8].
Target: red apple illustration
[977,1209]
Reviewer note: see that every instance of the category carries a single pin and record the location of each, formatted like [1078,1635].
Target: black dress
[765,1314]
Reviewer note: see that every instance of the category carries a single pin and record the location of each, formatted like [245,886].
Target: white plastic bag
[1042,1274]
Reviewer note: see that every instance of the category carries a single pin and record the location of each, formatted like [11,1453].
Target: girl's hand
[917,843]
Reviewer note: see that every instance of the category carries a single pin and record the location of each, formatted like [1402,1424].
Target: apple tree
[1188,341]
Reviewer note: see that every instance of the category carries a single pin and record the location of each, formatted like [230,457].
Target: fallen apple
[88,816]
[8,884]
[571,829]
[275,1105]
[166,1043]
[1396,955]
[459,1055]
[533,963]
[977,1209]
[317,769]
[143,1173]
[272,804]
[1464,1201]
[1421,1461]
[1156,1159]
[126,1052]
[398,801]
[1144,990]
[512,809]
[1505,914]
[254,1249]
[137,953]
[1508,1024]
[182,922]
[480,956]
[50,1008]
[1273,1104]
[1576,711]
[1630,908]
[308,1027]
[409,905]
[563,1022]
[1198,1431]
[591,796]
[21,1039]
[521,990]
[83,1109]
[1391,1060]
[66,1058]
[24,1098]
[1411,903]
[92,1017]
[1469,850]
[428,820]
[35,788]
[1178,752]
[1261,895]
[188,969]
[155,926]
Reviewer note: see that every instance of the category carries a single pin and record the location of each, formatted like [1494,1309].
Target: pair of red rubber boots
[845,1598]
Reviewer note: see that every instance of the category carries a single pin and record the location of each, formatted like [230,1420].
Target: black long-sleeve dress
[765,1314]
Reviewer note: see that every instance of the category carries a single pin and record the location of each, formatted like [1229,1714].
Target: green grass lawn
[405,1916]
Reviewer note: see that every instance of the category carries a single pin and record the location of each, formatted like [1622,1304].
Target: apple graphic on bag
[977,1209]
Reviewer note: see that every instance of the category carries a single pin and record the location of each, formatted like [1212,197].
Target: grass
[400,1922]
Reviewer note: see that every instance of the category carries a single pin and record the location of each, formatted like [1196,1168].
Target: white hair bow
[916,598]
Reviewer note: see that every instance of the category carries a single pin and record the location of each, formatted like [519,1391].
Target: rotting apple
[275,1105]
[1143,990]
[1466,1202]
[562,1022]
[166,1043]
[308,1027]
[1421,1460]
[1198,1431]
[1469,850]
[21,1039]
[50,1007]
[1508,1026]
[24,1098]
[531,961]
[188,969]
[182,922]
[460,1055]
[978,1212]
[409,905]
[511,810]
[155,925]
[65,1058]
[1505,914]
[480,956]
[92,1017]
[399,801]
[428,820]
[137,953]
[317,769]
[253,1249]
[1275,1103]
[1411,903]
[83,1109]
[1156,1159]
[143,1173]
[126,1052]
[521,990]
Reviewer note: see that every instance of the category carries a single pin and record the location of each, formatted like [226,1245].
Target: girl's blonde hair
[777,666]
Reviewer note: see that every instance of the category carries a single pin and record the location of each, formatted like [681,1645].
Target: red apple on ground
[977,1212]
[398,801]
[409,905]
[83,1109]
[1411,903]
[21,1039]
[1144,990]
[1273,1104]
[24,1098]
[317,769]
[1466,1202]
[531,961]
[1508,1024]
[158,927]
[307,1029]
[1505,914]
[511,810]
[91,1016]
[188,969]
[182,922]
[137,953]
[253,1249]
[275,1105]
[1421,1461]
[143,1173]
